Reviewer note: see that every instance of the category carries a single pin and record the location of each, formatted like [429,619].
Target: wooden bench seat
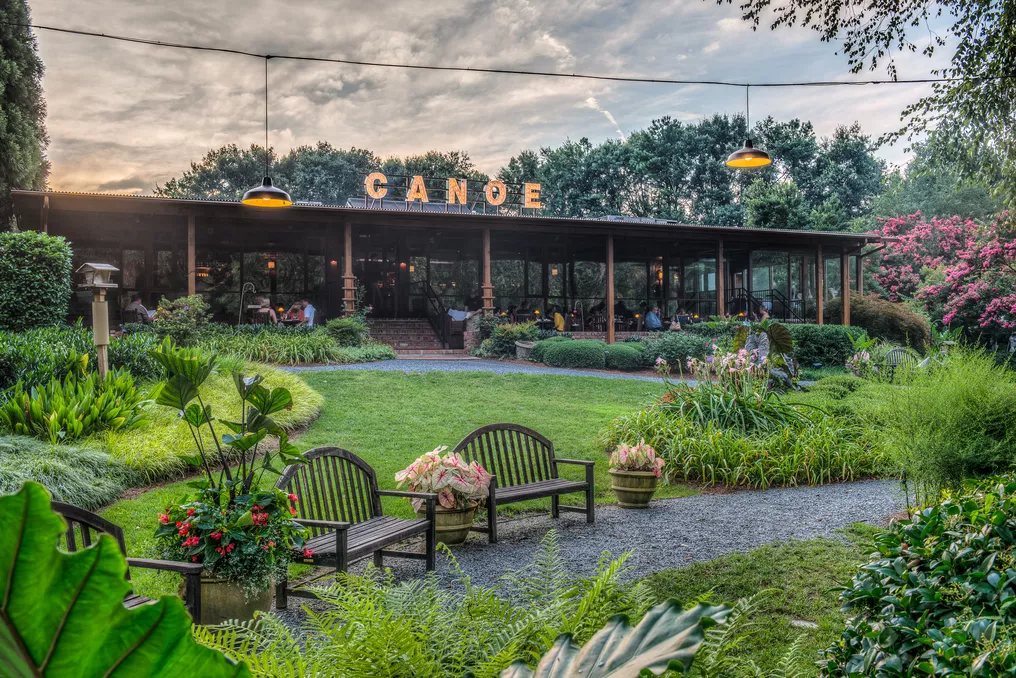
[523,466]
[339,501]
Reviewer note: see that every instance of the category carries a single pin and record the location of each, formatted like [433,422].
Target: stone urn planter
[634,489]
[222,600]
[523,349]
[452,525]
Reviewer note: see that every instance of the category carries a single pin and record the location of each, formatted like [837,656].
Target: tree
[971,117]
[223,174]
[324,173]
[776,205]
[23,138]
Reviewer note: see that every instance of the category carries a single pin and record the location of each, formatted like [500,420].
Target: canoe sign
[455,191]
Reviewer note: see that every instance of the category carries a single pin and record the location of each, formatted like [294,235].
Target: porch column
[348,279]
[44,215]
[845,284]
[192,268]
[819,285]
[610,289]
[721,281]
[488,288]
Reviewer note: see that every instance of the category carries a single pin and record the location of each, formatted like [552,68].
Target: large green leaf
[780,338]
[667,638]
[62,614]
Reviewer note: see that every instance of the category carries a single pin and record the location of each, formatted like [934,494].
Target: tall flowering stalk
[457,484]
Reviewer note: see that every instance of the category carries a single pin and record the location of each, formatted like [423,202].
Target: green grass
[802,572]
[816,373]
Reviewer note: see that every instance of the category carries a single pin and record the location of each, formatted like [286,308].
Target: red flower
[293,498]
[216,535]
[292,510]
[230,548]
[307,553]
[271,543]
[194,559]
[178,523]
[163,518]
[190,511]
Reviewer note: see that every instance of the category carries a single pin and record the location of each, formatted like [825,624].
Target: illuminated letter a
[417,191]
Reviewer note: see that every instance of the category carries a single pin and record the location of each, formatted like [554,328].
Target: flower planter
[222,600]
[523,349]
[634,489]
[452,525]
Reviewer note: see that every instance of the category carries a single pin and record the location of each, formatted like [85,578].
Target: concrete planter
[452,525]
[222,600]
[523,349]
[634,489]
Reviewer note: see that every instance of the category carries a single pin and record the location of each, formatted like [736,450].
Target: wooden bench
[897,358]
[81,523]
[524,467]
[340,502]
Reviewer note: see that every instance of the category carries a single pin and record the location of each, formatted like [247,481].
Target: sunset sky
[123,117]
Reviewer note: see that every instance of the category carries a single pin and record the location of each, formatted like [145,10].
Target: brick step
[433,351]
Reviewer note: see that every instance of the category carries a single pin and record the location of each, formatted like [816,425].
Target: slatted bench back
[900,357]
[84,527]
[515,454]
[334,484]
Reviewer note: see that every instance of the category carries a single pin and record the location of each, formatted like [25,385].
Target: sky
[125,118]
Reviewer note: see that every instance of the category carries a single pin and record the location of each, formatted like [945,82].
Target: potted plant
[635,471]
[460,489]
[240,531]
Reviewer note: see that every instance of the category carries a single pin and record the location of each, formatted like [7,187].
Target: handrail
[780,307]
[436,311]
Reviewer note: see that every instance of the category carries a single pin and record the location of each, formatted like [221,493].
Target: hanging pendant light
[266,195]
[748,155]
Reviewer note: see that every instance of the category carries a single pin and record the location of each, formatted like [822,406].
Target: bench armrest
[583,462]
[410,495]
[323,524]
[168,565]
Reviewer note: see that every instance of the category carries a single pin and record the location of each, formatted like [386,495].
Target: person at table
[266,309]
[621,311]
[138,308]
[558,319]
[308,313]
[295,314]
[653,322]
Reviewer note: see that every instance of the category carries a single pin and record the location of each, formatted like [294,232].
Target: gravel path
[673,533]
[493,366]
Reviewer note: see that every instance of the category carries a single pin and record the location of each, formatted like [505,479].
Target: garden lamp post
[97,277]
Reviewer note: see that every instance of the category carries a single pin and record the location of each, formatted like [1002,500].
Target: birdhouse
[97,276]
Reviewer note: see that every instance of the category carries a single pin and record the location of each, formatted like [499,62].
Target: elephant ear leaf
[667,638]
[780,338]
[62,614]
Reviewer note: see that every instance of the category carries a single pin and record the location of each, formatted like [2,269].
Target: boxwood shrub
[536,355]
[577,353]
[826,344]
[35,280]
[674,347]
[938,596]
[347,331]
[505,336]
[623,357]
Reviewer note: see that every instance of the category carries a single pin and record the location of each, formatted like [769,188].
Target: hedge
[623,357]
[536,355]
[826,344]
[886,320]
[35,280]
[578,353]
[674,347]
[505,336]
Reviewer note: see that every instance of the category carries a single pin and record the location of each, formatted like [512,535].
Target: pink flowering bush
[639,457]
[458,485]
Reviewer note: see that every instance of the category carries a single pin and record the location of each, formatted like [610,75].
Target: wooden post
[44,216]
[819,285]
[192,267]
[488,288]
[721,281]
[610,289]
[348,279]
[100,330]
[845,285]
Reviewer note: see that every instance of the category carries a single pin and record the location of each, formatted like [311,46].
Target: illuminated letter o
[502,192]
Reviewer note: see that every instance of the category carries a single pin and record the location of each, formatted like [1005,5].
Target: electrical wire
[499,71]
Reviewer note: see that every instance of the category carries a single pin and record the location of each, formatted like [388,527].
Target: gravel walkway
[673,533]
[493,366]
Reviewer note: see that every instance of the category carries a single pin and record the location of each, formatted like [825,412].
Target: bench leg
[379,560]
[492,523]
[281,599]
[555,502]
[431,546]
[590,498]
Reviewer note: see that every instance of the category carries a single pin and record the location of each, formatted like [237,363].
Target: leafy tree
[223,174]
[324,173]
[831,215]
[776,205]
[845,167]
[971,117]
[23,138]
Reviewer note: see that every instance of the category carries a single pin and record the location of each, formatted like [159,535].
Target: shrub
[80,475]
[504,337]
[823,344]
[132,353]
[837,387]
[183,320]
[78,406]
[576,353]
[536,355]
[623,357]
[347,331]
[35,280]
[884,319]
[674,347]
[937,597]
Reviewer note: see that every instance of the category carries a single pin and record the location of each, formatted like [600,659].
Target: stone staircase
[412,338]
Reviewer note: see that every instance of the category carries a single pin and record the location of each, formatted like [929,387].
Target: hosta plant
[458,484]
[639,457]
[238,530]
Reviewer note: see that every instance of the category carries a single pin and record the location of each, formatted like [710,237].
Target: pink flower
[293,498]
[307,553]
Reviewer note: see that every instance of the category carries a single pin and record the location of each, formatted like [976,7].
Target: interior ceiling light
[266,195]
[748,155]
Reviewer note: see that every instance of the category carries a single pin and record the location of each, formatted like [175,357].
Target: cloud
[592,103]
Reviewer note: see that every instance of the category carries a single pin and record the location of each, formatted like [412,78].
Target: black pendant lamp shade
[266,195]
[748,155]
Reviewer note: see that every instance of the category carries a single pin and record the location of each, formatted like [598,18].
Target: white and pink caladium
[458,485]
[639,457]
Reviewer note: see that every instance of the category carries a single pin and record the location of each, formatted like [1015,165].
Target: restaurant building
[417,258]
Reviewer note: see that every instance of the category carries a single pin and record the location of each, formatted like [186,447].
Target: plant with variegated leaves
[639,457]
[458,484]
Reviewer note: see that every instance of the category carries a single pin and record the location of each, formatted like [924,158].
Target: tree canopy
[23,137]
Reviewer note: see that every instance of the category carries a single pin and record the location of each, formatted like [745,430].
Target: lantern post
[98,278]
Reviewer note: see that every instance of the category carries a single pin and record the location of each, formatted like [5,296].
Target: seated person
[308,314]
[558,319]
[143,314]
[295,312]
[266,309]
[653,323]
